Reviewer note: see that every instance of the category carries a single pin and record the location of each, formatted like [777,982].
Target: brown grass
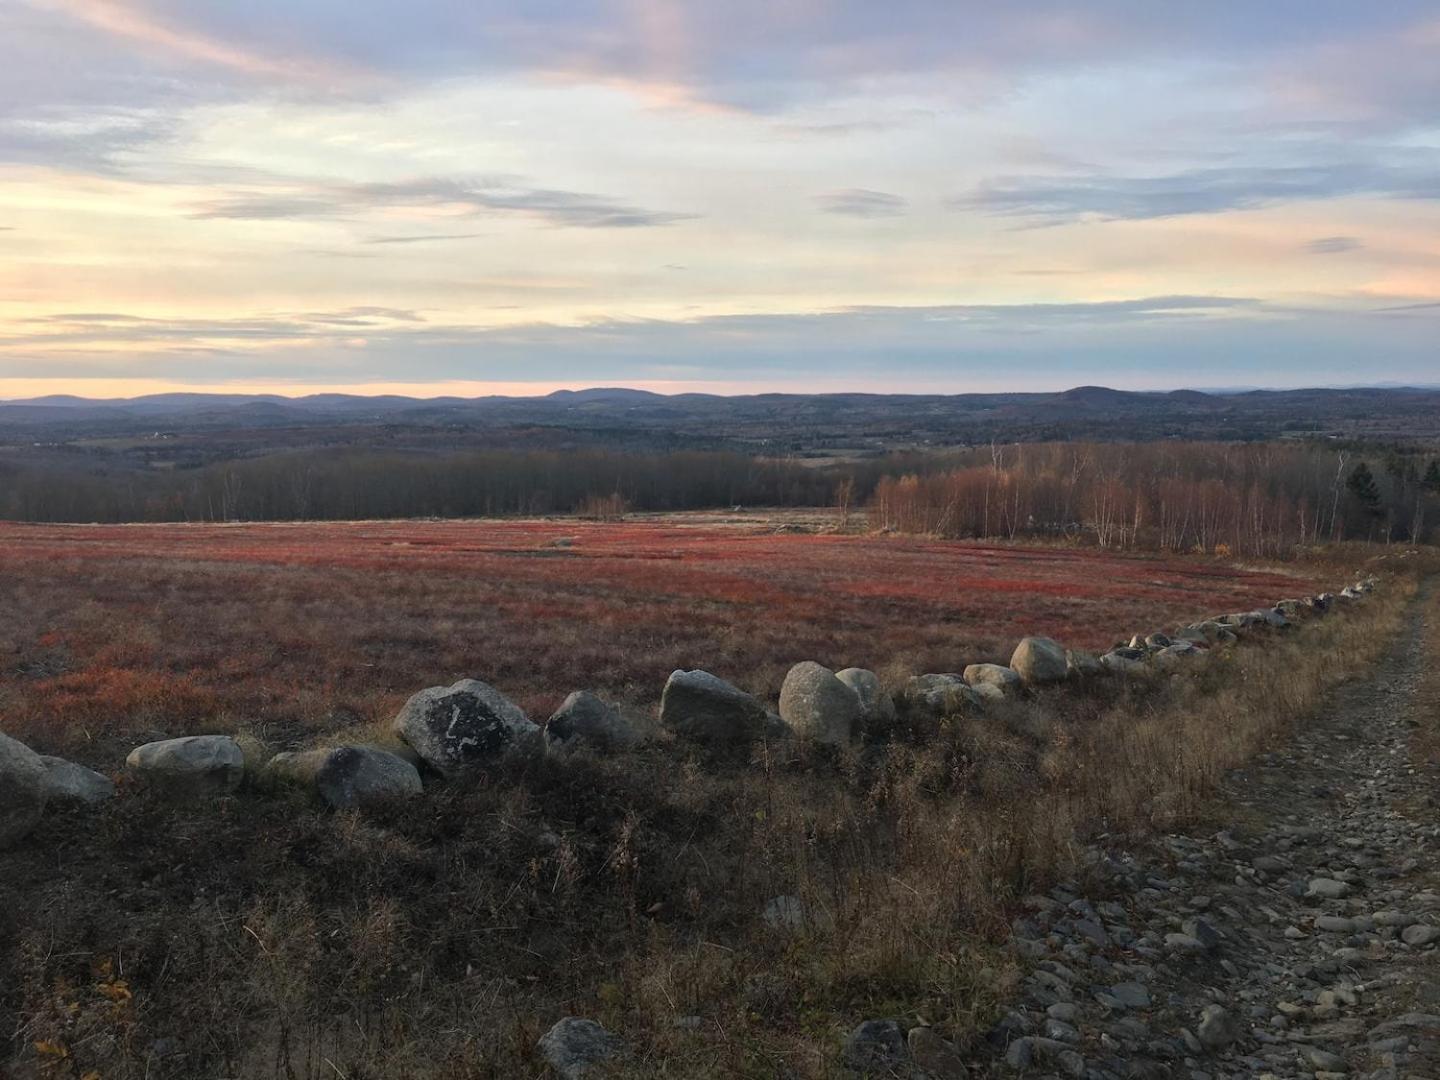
[263,938]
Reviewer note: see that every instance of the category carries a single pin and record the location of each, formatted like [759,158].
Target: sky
[468,196]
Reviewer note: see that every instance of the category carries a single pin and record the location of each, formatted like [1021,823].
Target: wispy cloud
[1333,245]
[861,203]
[1059,199]
[429,238]
[477,197]
[133,22]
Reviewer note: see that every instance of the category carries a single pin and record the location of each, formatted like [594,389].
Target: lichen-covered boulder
[190,767]
[703,707]
[1002,678]
[1039,660]
[69,782]
[347,777]
[585,719]
[817,705]
[23,792]
[464,726]
[877,707]
[938,696]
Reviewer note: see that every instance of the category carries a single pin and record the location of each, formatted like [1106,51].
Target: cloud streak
[1333,245]
[861,203]
[1061,199]
[474,197]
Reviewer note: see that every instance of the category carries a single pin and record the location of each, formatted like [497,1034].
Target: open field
[261,935]
[109,632]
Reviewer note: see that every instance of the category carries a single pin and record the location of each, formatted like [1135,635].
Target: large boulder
[1117,663]
[190,767]
[575,1047]
[877,707]
[1172,655]
[23,790]
[347,777]
[585,719]
[1002,678]
[1039,660]
[936,697]
[68,782]
[464,726]
[1082,664]
[1274,617]
[700,706]
[817,705]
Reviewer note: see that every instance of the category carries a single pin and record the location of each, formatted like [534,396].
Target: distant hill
[202,428]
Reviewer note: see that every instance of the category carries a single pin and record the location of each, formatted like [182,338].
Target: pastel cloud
[912,189]
[486,195]
[861,203]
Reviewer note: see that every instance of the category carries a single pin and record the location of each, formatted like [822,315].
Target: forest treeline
[1249,498]
[346,485]
[1253,498]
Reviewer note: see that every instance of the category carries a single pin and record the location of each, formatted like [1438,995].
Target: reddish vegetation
[110,631]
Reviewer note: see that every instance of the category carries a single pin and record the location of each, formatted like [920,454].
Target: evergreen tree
[1432,477]
[1362,485]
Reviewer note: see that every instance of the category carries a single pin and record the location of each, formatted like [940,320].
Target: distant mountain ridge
[200,427]
[1088,395]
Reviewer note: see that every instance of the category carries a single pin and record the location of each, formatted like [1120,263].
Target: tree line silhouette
[1248,498]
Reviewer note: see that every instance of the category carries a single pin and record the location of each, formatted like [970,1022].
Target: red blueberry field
[107,632]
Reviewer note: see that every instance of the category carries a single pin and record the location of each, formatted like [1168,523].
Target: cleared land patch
[107,632]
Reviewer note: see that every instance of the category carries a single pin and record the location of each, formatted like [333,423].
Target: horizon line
[543,391]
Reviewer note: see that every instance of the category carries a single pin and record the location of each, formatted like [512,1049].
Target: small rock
[1132,995]
[1323,1060]
[938,1058]
[1328,889]
[574,1046]
[1218,1028]
[784,913]
[1419,935]
[875,1046]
